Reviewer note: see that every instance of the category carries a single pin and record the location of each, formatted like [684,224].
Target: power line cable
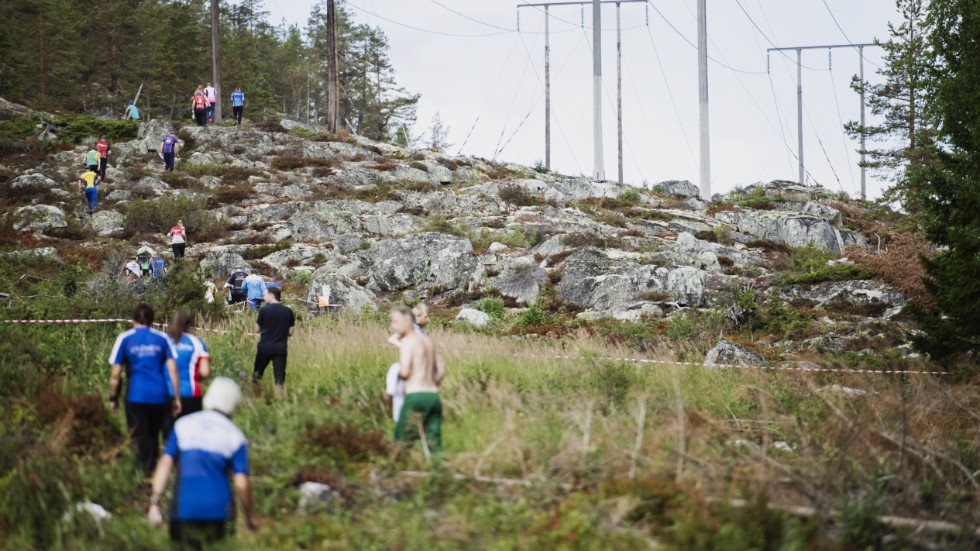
[764,35]
[695,46]
[840,119]
[844,34]
[428,31]
[489,95]
[670,94]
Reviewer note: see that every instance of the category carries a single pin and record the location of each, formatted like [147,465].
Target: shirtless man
[423,371]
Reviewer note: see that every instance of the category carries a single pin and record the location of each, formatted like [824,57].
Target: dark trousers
[211,113]
[178,249]
[262,360]
[237,113]
[201,117]
[146,424]
[197,535]
[187,407]
[103,163]
[168,160]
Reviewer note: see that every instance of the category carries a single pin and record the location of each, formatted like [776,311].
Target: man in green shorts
[423,371]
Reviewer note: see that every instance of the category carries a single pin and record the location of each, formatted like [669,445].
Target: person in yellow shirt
[87,183]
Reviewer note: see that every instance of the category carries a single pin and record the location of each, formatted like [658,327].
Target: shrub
[493,307]
[293,162]
[630,196]
[532,315]
[898,264]
[342,443]
[811,265]
[441,224]
[270,126]
[73,130]
[262,251]
[518,196]
[159,215]
[419,166]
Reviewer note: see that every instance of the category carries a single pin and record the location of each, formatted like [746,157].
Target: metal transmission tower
[599,172]
[799,100]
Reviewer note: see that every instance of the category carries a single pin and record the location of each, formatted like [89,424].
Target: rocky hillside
[380,224]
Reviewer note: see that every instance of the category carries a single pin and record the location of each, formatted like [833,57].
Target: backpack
[159,270]
[238,280]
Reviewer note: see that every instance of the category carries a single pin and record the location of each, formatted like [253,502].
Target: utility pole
[547,90]
[799,101]
[216,59]
[864,184]
[333,87]
[599,173]
[703,101]
[598,162]
[799,113]
[619,89]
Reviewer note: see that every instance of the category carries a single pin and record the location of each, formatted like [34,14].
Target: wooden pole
[216,59]
[333,98]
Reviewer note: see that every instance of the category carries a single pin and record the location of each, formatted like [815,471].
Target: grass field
[541,452]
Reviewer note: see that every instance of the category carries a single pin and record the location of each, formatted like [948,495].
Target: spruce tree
[899,102]
[946,185]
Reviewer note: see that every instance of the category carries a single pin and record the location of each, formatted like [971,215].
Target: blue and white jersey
[237,98]
[254,287]
[206,446]
[190,351]
[145,351]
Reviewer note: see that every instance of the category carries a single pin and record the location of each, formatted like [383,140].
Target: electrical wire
[428,31]
[695,46]
[673,103]
[840,119]
[513,102]
[489,95]
[844,34]
[826,156]
[577,25]
[771,43]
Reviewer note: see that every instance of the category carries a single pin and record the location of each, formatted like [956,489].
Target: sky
[486,80]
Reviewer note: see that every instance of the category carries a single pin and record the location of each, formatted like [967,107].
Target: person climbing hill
[91,159]
[211,94]
[104,149]
[178,239]
[132,113]
[200,104]
[170,151]
[238,105]
[143,255]
[87,185]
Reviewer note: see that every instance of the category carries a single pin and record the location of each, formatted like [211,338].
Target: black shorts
[197,534]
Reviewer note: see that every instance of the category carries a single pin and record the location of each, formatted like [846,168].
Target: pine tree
[900,102]
[946,187]
[438,134]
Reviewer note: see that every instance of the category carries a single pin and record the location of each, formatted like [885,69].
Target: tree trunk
[216,59]
[333,97]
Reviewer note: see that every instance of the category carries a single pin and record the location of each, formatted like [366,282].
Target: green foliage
[261,251]
[74,129]
[441,224]
[518,196]
[532,315]
[493,307]
[631,196]
[773,318]
[17,129]
[810,264]
[292,162]
[756,199]
[159,215]
[946,192]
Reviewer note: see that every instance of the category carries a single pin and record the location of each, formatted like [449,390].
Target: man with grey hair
[206,446]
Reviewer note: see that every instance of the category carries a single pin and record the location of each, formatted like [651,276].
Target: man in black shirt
[275,324]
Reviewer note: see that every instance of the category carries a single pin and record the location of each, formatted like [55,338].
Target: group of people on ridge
[206,97]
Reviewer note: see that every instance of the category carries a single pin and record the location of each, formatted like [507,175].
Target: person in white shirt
[395,386]
[212,95]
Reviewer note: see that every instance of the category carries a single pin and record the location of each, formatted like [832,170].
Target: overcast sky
[493,76]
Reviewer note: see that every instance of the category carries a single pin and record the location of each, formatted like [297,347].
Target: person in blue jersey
[206,447]
[254,288]
[238,105]
[149,358]
[132,113]
[193,362]
[170,151]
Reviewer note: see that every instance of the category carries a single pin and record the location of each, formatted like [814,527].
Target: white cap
[223,395]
